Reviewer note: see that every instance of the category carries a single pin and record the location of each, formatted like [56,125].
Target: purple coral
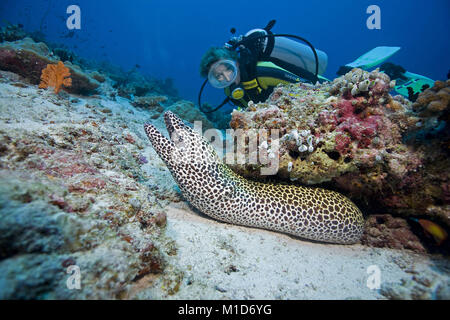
[142,159]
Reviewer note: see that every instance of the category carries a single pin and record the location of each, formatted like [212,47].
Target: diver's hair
[215,54]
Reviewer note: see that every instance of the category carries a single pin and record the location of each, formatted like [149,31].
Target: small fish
[433,229]
[137,66]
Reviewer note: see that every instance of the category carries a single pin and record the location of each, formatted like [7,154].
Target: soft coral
[55,75]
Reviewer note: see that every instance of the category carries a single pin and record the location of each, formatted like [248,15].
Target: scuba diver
[249,67]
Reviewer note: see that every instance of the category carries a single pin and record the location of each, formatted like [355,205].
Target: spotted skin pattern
[214,189]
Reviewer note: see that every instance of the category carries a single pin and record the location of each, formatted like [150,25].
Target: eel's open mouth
[168,119]
[175,127]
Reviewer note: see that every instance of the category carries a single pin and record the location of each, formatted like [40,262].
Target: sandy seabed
[222,261]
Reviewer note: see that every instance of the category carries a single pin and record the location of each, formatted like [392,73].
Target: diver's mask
[222,73]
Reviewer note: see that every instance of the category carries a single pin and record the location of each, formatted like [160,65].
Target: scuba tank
[262,45]
[289,52]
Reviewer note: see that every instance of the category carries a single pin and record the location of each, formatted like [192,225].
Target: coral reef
[133,83]
[383,230]
[28,58]
[56,76]
[220,118]
[73,192]
[435,101]
[153,103]
[353,136]
[12,32]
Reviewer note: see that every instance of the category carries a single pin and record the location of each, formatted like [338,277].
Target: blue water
[168,38]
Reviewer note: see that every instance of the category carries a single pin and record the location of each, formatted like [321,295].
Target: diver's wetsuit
[258,88]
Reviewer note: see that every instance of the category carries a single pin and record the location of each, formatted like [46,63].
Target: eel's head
[185,146]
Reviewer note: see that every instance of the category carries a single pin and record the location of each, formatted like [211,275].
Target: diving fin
[417,83]
[374,57]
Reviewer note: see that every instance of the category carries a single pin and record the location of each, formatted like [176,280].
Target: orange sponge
[55,75]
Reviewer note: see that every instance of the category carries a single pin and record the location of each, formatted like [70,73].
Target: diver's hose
[200,103]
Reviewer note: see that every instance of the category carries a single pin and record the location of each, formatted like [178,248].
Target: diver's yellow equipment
[236,99]
[250,84]
[268,75]
[237,93]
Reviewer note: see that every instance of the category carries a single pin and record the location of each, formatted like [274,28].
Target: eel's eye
[176,138]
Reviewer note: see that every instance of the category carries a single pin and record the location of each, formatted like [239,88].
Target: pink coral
[359,125]
[380,88]
[343,142]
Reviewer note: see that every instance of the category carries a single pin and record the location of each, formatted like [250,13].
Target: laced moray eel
[214,189]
